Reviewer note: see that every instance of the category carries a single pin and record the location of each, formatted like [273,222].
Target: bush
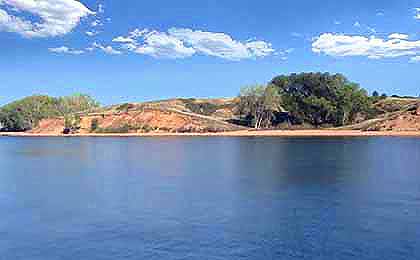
[200,108]
[94,125]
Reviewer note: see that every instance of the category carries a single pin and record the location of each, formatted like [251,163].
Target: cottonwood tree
[322,98]
[258,104]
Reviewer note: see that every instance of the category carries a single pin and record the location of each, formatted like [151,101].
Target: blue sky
[123,51]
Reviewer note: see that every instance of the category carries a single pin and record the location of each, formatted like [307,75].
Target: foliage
[322,98]
[201,108]
[258,104]
[125,107]
[94,125]
[76,103]
[71,123]
[123,129]
[26,113]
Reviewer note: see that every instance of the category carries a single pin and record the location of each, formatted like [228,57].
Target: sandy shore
[245,133]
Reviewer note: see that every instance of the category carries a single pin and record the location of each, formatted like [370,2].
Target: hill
[174,116]
[295,101]
[395,114]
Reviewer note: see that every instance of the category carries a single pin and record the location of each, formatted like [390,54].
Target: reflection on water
[209,198]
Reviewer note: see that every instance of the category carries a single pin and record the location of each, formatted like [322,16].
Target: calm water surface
[209,198]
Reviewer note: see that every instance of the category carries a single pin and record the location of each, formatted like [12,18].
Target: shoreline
[242,133]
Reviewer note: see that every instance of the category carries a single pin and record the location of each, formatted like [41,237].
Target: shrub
[94,125]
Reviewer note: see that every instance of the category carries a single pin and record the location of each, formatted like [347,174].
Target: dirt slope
[398,114]
[173,116]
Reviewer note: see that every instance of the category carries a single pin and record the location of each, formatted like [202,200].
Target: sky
[120,51]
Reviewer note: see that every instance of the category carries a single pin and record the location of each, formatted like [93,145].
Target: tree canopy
[322,98]
[26,113]
[258,105]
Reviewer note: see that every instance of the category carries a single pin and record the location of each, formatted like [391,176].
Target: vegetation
[124,129]
[322,98]
[94,125]
[71,123]
[76,103]
[300,100]
[125,107]
[26,113]
[201,108]
[258,105]
[318,99]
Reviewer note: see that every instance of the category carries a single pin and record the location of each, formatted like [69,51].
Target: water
[209,198]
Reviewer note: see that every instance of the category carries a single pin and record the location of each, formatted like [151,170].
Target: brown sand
[244,133]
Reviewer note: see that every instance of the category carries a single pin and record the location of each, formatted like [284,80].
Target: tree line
[25,114]
[317,99]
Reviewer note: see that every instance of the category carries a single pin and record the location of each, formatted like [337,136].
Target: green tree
[258,104]
[26,113]
[76,103]
[322,98]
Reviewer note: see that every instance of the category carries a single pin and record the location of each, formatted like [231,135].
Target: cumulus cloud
[182,43]
[222,45]
[163,45]
[58,17]
[106,49]
[66,50]
[339,45]
[122,39]
[91,33]
[400,36]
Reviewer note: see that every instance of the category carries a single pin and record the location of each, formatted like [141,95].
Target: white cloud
[65,50]
[123,39]
[92,33]
[337,22]
[137,33]
[357,24]
[259,49]
[338,45]
[163,45]
[380,13]
[182,43]
[400,36]
[222,45]
[106,49]
[58,17]
[96,23]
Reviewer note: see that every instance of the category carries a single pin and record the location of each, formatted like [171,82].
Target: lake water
[209,198]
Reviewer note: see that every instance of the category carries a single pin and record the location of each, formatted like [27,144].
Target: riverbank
[244,133]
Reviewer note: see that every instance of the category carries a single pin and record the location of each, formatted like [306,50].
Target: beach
[243,133]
